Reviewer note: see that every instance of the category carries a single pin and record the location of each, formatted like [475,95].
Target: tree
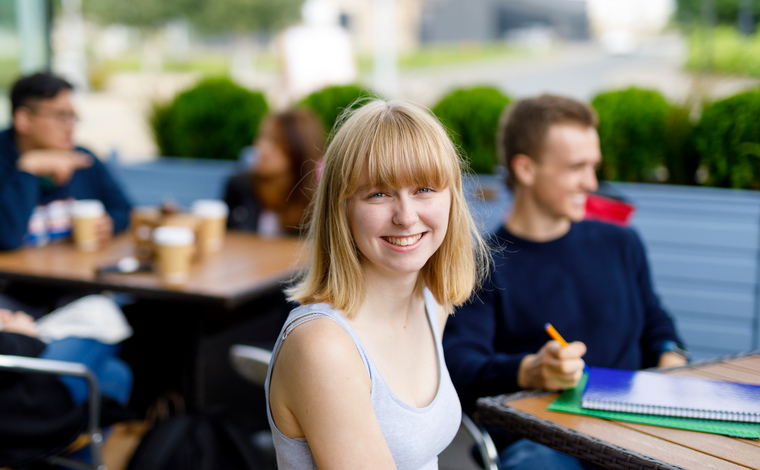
[245,16]
[210,16]
[139,13]
[689,12]
[7,14]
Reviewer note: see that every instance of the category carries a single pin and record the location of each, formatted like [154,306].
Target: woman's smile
[404,241]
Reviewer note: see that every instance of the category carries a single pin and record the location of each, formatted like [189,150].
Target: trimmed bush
[728,140]
[214,120]
[632,133]
[328,103]
[471,117]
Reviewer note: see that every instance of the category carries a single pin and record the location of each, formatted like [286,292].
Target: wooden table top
[247,266]
[629,445]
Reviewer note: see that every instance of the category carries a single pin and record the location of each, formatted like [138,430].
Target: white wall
[639,17]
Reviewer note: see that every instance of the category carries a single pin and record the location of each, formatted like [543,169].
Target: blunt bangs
[405,146]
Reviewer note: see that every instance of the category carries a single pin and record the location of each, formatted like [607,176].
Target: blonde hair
[401,144]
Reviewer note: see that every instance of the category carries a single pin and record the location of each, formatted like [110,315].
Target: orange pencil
[558,337]
[555,334]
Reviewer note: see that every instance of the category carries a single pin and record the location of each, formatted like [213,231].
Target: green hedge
[632,133]
[728,139]
[214,120]
[640,132]
[471,116]
[328,103]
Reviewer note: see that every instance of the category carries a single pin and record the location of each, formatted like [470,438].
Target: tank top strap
[431,307]
[309,312]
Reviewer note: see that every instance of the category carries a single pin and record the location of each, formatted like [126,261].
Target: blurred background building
[494,20]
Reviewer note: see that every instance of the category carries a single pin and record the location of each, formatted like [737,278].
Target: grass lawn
[723,50]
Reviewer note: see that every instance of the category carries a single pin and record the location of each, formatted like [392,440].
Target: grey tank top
[415,436]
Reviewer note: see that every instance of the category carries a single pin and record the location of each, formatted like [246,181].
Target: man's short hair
[29,90]
[524,125]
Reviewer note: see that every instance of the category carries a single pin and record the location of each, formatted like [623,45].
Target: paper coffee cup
[174,251]
[84,217]
[142,222]
[213,213]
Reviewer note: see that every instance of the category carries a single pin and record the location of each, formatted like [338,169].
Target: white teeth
[403,241]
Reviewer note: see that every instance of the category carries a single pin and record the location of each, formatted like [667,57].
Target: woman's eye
[425,190]
[374,195]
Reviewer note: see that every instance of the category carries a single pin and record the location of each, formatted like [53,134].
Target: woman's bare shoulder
[321,345]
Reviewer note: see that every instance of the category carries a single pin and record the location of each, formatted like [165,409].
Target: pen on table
[558,337]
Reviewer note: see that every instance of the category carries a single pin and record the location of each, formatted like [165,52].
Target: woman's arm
[320,389]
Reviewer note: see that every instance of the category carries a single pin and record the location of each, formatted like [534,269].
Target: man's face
[566,171]
[48,123]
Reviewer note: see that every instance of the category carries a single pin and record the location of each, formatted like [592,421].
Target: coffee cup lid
[170,235]
[87,208]
[210,208]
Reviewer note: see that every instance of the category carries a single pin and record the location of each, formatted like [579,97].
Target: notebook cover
[671,395]
[570,402]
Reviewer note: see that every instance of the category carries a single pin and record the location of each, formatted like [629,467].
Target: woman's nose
[405,213]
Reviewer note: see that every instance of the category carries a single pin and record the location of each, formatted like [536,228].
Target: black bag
[195,441]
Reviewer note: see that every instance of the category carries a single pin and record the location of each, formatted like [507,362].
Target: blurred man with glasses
[41,170]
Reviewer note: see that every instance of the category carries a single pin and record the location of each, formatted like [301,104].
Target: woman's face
[398,230]
[272,159]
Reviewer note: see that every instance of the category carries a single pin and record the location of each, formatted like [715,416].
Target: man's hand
[671,359]
[552,367]
[58,165]
[18,322]
[104,228]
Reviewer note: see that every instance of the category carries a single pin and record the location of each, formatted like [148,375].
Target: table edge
[561,438]
[580,444]
[97,283]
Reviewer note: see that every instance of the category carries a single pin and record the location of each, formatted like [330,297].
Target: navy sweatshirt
[592,284]
[21,192]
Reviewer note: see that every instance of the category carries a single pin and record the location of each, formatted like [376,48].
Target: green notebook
[570,402]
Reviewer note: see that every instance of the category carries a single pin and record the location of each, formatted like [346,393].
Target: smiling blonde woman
[358,378]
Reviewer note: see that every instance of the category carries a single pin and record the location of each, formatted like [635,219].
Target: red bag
[608,209]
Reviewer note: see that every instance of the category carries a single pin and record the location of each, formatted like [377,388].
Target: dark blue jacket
[592,284]
[21,192]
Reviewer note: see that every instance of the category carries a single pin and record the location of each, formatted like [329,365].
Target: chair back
[251,362]
[22,364]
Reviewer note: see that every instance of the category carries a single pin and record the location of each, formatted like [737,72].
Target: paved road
[579,70]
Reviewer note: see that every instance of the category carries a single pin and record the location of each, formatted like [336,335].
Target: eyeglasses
[62,117]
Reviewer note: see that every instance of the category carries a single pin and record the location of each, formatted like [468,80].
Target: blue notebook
[671,395]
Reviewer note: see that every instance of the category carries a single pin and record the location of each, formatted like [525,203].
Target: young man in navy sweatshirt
[42,169]
[589,279]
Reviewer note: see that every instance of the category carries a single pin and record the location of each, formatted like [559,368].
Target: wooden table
[176,343]
[621,445]
[247,266]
